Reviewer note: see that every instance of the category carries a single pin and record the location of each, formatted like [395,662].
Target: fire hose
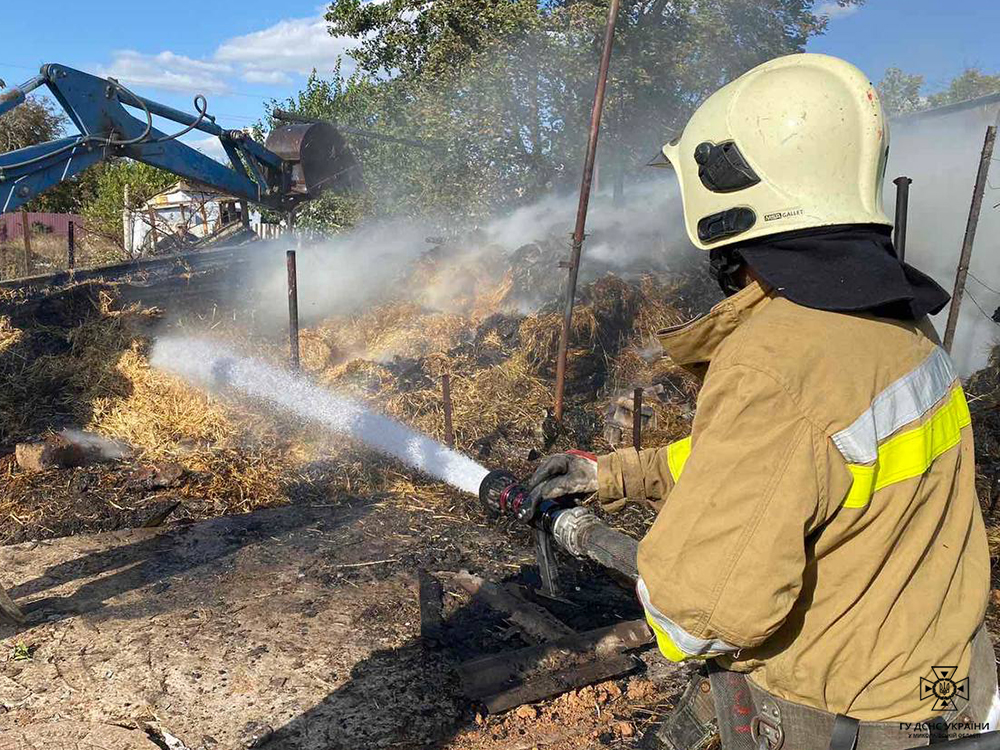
[585,536]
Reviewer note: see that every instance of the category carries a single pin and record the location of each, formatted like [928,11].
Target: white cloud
[210,146]
[832,10]
[294,45]
[169,71]
[273,56]
[269,77]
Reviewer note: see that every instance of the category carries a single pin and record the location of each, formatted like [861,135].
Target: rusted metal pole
[449,432]
[581,211]
[637,418]
[293,311]
[70,246]
[26,231]
[970,236]
[902,211]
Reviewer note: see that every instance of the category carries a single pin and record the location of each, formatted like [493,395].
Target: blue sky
[241,54]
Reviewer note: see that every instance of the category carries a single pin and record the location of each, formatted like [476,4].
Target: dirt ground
[295,627]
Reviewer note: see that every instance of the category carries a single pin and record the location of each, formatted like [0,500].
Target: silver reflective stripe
[689,644]
[907,399]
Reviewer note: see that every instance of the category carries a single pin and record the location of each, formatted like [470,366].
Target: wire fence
[50,245]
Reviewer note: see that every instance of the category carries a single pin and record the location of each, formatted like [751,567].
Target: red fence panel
[55,224]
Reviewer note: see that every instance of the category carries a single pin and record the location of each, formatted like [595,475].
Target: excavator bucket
[319,156]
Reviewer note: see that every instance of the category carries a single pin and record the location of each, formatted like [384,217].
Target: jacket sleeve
[648,475]
[722,564]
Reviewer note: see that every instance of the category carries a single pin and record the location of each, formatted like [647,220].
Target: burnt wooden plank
[537,623]
[430,597]
[506,672]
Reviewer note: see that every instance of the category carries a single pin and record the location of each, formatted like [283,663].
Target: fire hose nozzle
[573,528]
[500,492]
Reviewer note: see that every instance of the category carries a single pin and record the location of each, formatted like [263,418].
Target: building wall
[941,152]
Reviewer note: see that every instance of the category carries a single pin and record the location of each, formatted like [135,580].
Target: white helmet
[796,143]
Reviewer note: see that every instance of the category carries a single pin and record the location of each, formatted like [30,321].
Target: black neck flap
[844,269]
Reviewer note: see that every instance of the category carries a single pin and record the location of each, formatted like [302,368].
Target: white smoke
[351,271]
[96,445]
[941,154]
[647,224]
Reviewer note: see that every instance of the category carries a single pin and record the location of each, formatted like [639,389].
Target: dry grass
[49,253]
[95,375]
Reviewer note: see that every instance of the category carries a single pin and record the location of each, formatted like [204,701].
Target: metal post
[26,231]
[70,246]
[970,236]
[637,419]
[581,211]
[902,211]
[293,311]
[449,432]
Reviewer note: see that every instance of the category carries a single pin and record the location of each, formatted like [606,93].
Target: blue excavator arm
[298,161]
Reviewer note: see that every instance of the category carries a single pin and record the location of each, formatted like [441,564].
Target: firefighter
[819,543]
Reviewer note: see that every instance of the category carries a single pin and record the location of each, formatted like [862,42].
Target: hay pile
[84,363]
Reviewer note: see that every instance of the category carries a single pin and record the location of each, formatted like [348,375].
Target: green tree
[103,210]
[900,92]
[971,84]
[503,89]
[34,121]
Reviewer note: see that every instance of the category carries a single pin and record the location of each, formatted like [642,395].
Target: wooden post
[26,231]
[293,311]
[970,236]
[637,419]
[449,432]
[70,247]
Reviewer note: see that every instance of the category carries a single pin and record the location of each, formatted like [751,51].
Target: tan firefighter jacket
[822,530]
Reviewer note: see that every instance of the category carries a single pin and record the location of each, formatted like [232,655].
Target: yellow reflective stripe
[910,453]
[666,644]
[677,456]
[861,486]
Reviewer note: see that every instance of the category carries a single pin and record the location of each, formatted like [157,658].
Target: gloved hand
[570,473]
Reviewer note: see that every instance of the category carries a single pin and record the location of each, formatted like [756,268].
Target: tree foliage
[971,84]
[34,121]
[902,93]
[503,89]
[103,209]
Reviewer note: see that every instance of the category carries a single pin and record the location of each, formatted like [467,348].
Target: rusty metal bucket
[319,156]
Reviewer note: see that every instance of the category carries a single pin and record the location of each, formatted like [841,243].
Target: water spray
[205,363]
[558,521]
